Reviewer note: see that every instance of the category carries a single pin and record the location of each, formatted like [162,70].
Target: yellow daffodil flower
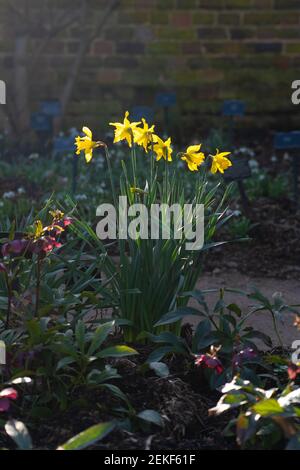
[125,131]
[86,144]
[162,149]
[220,162]
[144,136]
[193,157]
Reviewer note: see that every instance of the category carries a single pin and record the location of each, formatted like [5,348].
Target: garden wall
[206,50]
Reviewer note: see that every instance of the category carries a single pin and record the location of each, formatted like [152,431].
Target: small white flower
[21,190]
[274,159]
[33,156]
[237,213]
[81,197]
[9,195]
[253,164]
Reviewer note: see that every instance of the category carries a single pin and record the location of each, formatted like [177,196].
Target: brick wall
[206,50]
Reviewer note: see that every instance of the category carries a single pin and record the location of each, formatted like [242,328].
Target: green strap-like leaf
[88,437]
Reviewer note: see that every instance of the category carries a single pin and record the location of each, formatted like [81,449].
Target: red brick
[181,19]
[102,47]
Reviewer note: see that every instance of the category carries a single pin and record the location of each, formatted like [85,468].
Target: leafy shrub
[267,418]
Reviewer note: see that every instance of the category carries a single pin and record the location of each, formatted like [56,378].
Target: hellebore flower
[86,144]
[6,395]
[144,136]
[15,247]
[125,130]
[193,157]
[44,245]
[210,362]
[162,149]
[66,221]
[243,355]
[220,162]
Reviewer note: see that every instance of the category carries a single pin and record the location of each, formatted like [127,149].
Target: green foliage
[266,417]
[261,184]
[239,228]
[88,437]
[225,325]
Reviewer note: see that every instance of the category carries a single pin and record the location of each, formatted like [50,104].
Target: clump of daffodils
[143,135]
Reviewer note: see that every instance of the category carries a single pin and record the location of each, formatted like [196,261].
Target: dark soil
[182,399]
[274,248]
[12,184]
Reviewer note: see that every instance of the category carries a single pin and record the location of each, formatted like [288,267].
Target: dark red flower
[6,395]
[67,221]
[43,245]
[293,371]
[243,355]
[15,247]
[211,362]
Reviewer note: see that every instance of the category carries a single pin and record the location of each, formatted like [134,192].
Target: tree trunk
[21,99]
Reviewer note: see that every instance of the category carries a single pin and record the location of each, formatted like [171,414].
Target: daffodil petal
[87,132]
[194,148]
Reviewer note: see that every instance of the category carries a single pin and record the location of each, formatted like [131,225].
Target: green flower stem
[9,299]
[133,152]
[107,155]
[151,164]
[38,287]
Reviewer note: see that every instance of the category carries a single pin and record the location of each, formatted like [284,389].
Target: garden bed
[182,399]
[273,249]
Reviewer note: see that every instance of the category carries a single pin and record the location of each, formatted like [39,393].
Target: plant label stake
[40,122]
[240,169]
[166,101]
[233,109]
[291,141]
[74,174]
[43,126]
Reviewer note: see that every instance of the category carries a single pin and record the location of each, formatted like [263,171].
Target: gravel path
[261,320]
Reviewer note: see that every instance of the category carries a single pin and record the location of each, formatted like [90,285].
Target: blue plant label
[234,108]
[41,122]
[287,140]
[51,108]
[139,112]
[166,100]
[63,144]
